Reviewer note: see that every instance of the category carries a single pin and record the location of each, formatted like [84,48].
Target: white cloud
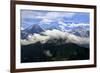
[35,38]
[55,34]
[68,14]
[62,27]
[28,14]
[46,17]
[47,21]
[54,16]
[22,28]
[76,25]
[46,14]
[72,24]
[32,14]
[48,53]
[62,23]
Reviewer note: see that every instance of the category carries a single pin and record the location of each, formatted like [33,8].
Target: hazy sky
[30,17]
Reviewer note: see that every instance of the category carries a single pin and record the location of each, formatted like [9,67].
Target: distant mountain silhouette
[34,29]
[81,31]
[51,26]
[31,30]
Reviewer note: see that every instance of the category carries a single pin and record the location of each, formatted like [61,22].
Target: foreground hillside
[38,52]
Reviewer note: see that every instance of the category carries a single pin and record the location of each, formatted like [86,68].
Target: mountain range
[53,44]
[81,31]
[30,31]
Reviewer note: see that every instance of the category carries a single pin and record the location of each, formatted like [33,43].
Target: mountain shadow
[38,52]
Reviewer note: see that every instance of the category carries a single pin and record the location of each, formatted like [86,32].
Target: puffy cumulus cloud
[78,40]
[35,38]
[50,35]
[54,33]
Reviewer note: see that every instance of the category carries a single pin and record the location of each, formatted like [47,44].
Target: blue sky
[46,18]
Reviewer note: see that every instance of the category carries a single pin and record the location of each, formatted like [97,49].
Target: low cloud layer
[53,36]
